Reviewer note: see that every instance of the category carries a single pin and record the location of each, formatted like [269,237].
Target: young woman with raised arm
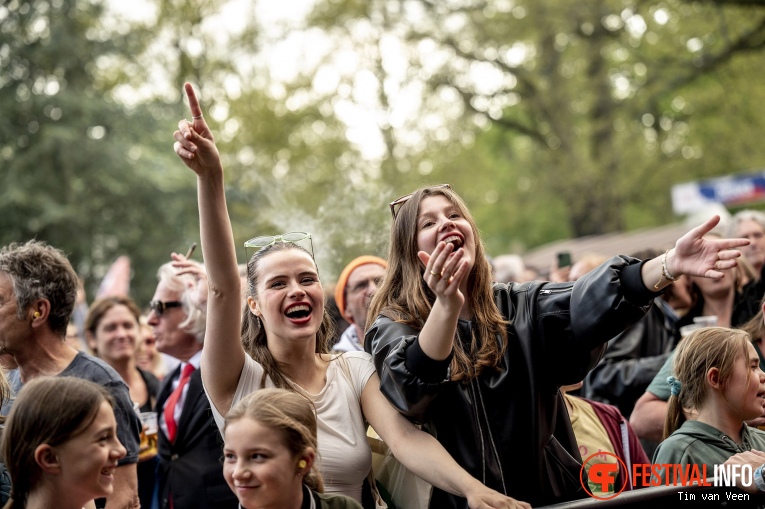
[286,325]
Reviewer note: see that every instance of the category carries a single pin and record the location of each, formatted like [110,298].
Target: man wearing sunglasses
[189,445]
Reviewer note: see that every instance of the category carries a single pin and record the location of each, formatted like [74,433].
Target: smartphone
[564,259]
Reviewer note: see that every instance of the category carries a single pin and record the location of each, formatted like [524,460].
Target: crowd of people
[478,379]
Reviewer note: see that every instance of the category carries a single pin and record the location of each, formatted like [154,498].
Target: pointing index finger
[196,111]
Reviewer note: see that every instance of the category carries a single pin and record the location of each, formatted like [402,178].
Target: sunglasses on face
[395,205]
[160,307]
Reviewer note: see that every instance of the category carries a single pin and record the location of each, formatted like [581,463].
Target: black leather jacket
[510,429]
[632,359]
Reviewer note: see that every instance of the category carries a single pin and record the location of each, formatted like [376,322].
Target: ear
[47,459]
[309,456]
[253,305]
[39,312]
[713,378]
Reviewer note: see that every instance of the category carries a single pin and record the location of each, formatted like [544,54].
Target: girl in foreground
[717,372]
[480,365]
[60,444]
[270,452]
[287,331]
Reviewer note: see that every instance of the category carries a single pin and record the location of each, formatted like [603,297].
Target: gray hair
[40,271]
[745,215]
[508,268]
[194,307]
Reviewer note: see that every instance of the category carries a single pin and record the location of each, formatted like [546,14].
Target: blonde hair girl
[716,373]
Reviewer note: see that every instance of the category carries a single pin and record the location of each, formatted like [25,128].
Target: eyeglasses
[259,243]
[396,204]
[160,307]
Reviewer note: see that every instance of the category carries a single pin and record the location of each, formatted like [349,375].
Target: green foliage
[614,95]
[551,118]
[81,171]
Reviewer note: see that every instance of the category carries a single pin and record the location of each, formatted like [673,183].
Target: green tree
[80,170]
[614,97]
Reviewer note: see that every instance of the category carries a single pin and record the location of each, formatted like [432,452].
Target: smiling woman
[480,365]
[286,329]
[112,329]
[60,444]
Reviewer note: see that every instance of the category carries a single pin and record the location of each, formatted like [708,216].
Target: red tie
[172,401]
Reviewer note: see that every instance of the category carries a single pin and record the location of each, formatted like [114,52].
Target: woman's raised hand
[444,271]
[698,256]
[194,141]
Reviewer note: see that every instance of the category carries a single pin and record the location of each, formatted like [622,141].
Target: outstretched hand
[194,142]
[708,257]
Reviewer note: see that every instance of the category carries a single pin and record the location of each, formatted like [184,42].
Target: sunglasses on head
[259,243]
[395,205]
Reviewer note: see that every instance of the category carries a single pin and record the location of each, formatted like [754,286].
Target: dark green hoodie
[701,444]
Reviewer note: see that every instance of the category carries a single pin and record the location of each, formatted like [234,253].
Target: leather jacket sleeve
[565,326]
[631,361]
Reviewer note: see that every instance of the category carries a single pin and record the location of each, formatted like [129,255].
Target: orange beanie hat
[345,274]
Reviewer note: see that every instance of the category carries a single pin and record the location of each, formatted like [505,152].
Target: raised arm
[695,256]
[223,355]
[424,455]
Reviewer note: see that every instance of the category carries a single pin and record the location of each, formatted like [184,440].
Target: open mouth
[298,312]
[454,240]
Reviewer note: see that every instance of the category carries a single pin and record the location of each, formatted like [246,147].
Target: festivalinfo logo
[602,476]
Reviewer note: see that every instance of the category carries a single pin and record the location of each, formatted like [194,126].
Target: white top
[344,458]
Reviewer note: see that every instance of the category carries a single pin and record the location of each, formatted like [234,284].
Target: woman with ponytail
[717,374]
[280,339]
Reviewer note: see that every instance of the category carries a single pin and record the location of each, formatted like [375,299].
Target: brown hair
[48,410]
[254,338]
[99,308]
[405,297]
[291,414]
[697,353]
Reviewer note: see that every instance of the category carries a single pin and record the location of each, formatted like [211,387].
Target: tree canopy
[551,118]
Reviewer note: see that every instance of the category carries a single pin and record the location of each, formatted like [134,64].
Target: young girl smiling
[270,454]
[60,444]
